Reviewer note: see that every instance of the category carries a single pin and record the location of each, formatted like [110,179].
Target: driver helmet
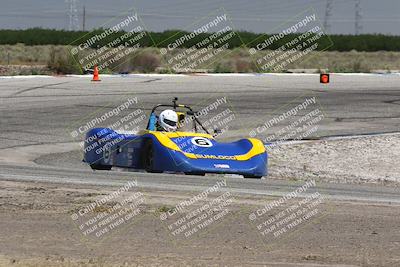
[169,120]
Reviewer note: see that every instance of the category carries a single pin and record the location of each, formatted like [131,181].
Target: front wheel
[100,167]
[195,173]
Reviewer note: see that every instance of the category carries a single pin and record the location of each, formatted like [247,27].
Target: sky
[261,16]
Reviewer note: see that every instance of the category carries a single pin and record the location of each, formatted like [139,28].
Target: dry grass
[58,59]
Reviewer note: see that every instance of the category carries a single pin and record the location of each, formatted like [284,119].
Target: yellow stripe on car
[164,139]
[257,149]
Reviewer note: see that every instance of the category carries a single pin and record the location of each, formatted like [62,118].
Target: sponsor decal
[202,156]
[221,166]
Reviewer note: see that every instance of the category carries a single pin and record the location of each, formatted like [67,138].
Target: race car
[194,151]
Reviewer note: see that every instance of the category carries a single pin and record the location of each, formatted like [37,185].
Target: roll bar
[174,106]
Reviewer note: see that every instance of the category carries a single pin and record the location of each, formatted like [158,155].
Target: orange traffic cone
[96,75]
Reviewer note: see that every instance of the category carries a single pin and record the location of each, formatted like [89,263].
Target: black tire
[252,176]
[148,157]
[100,167]
[195,173]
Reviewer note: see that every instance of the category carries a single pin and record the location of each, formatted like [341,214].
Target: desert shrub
[240,52]
[62,62]
[360,66]
[243,65]
[223,67]
[166,71]
[146,62]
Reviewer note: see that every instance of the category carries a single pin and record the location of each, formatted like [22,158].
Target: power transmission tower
[358,18]
[328,14]
[73,15]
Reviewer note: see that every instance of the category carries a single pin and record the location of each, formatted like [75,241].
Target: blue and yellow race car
[194,152]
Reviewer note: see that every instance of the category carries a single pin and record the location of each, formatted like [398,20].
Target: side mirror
[217,131]
[181,116]
[174,102]
[181,119]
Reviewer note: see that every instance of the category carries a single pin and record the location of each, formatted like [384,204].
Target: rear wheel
[148,156]
[252,176]
[195,173]
[100,167]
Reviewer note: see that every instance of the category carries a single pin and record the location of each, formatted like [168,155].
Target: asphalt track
[42,112]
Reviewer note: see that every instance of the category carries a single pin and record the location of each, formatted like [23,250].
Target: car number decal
[201,141]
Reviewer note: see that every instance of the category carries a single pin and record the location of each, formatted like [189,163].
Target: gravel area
[371,159]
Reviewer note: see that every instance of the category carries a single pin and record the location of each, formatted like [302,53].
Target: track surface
[43,181]
[43,111]
[266,187]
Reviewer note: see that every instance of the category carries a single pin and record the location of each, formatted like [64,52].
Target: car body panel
[186,152]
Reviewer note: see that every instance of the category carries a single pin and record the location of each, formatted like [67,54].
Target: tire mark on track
[127,93]
[393,102]
[31,144]
[349,119]
[152,80]
[35,87]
